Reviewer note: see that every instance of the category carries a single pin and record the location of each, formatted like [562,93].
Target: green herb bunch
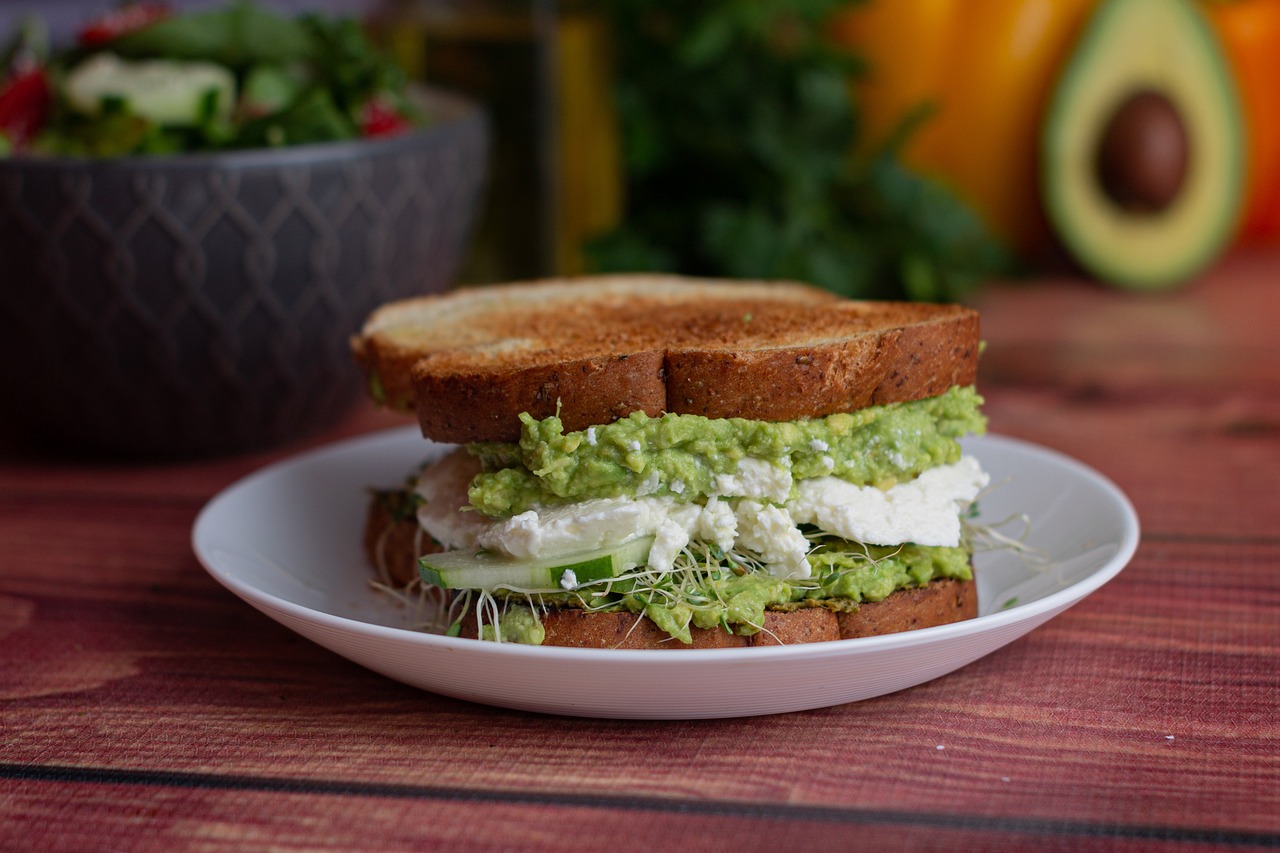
[739,130]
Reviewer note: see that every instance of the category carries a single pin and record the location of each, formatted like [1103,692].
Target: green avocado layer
[679,455]
[844,575]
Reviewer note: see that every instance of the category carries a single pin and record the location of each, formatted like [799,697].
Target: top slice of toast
[596,349]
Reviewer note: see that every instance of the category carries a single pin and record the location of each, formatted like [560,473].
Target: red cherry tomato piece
[24,106]
[379,118]
[126,19]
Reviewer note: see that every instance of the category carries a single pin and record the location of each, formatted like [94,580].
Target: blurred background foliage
[740,159]
[714,138]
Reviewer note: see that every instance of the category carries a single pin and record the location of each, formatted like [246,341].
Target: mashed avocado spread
[737,602]
[681,455]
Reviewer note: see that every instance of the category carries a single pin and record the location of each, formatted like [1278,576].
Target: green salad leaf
[238,37]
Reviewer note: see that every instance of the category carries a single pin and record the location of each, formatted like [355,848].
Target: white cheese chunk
[584,526]
[443,489]
[163,91]
[925,510]
[769,532]
[755,478]
[717,524]
[669,538]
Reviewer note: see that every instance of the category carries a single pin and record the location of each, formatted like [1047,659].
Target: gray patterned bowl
[202,304]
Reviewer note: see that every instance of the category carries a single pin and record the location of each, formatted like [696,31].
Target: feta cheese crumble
[925,510]
[755,478]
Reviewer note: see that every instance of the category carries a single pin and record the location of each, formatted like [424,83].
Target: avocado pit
[1143,153]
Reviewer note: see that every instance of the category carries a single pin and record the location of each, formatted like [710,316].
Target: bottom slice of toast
[940,602]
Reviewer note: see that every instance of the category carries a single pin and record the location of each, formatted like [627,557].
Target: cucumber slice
[489,571]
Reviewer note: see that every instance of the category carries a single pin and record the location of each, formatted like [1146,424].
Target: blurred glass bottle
[542,69]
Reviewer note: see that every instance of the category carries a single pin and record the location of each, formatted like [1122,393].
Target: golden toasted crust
[622,630]
[462,406]
[596,349]
[394,548]
[939,603]
[532,325]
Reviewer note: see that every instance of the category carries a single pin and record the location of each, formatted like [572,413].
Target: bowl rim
[447,110]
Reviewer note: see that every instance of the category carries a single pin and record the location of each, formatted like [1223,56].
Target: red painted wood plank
[85,816]
[1188,471]
[34,474]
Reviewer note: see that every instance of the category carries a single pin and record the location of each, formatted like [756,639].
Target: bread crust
[939,602]
[596,349]
[464,407]
[621,630]
[781,384]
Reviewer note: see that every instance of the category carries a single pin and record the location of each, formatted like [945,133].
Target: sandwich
[659,462]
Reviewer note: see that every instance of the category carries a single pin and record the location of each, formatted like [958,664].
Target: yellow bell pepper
[985,68]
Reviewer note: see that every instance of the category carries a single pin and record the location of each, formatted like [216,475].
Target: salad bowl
[201,304]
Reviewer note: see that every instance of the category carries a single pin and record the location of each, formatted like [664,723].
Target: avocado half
[1143,146]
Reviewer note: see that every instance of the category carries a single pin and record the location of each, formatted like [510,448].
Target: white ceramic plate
[287,541]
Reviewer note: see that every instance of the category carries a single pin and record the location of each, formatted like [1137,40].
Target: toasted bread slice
[596,349]
[394,547]
[939,602]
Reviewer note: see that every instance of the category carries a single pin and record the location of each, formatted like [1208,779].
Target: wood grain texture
[143,707]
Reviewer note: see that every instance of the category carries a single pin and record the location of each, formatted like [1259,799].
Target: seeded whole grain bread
[394,546]
[595,349]
[940,602]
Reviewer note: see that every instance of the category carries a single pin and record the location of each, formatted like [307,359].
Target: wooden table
[145,707]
